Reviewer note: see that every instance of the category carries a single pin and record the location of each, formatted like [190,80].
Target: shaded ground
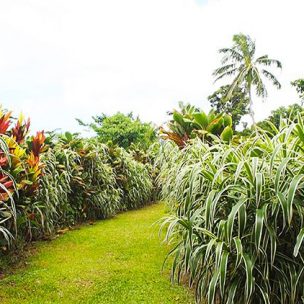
[114,261]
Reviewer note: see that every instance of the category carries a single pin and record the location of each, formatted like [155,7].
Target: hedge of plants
[237,212]
[49,182]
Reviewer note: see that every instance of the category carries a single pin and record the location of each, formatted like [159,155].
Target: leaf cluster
[189,123]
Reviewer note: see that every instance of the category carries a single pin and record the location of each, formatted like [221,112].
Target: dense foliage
[124,131]
[60,180]
[237,221]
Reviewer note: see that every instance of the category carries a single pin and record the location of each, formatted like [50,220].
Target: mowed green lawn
[113,261]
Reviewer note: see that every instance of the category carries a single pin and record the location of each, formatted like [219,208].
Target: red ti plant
[37,146]
[34,170]
[5,121]
[21,129]
[38,143]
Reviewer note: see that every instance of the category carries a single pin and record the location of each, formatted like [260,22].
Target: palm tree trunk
[251,112]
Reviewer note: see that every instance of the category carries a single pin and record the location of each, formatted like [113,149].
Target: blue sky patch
[201,2]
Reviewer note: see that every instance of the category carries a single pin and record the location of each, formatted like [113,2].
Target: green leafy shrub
[123,130]
[190,122]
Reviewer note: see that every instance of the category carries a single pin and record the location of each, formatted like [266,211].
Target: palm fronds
[240,61]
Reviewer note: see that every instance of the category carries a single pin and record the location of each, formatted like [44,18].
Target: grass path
[113,261]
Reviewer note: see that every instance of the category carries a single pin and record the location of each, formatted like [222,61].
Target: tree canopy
[123,130]
[299,85]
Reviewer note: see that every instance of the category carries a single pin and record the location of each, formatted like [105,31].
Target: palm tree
[240,61]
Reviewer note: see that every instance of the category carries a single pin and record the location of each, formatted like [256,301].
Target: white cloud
[73,58]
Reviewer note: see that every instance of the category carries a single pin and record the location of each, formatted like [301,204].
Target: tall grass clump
[237,216]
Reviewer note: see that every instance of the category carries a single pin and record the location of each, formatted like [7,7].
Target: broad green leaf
[227,134]
[178,117]
[202,119]
[227,120]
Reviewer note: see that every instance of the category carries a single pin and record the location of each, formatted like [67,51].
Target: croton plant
[21,166]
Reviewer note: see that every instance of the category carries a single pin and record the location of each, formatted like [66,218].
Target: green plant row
[54,182]
[236,226]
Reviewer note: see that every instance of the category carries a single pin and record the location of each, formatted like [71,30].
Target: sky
[62,59]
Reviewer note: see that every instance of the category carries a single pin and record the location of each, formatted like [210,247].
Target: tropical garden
[224,197]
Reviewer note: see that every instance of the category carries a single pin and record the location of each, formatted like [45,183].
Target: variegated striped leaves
[244,209]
